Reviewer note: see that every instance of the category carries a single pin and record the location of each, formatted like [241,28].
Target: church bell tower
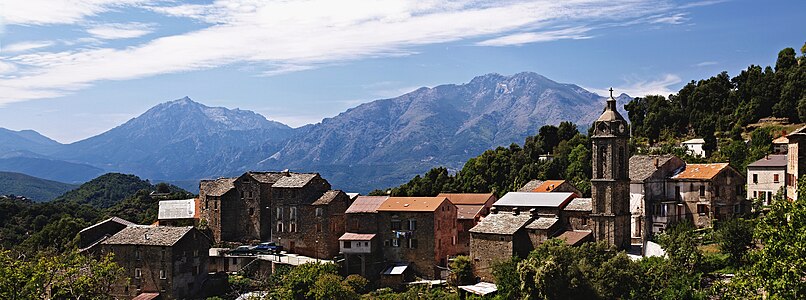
[610,183]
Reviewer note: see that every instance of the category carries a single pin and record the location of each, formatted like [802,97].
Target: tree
[461,271]
[681,246]
[331,286]
[735,237]
[358,283]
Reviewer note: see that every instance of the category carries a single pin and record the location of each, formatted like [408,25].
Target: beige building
[706,192]
[765,177]
[796,161]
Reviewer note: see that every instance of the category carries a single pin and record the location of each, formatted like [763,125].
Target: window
[292,227]
[775,178]
[386,243]
[737,208]
[137,254]
[716,191]
[246,180]
[138,274]
[293,213]
[279,213]
[241,194]
[318,227]
[453,240]
[234,260]
[755,178]
[395,225]
[412,225]
[215,205]
[395,242]
[279,226]
[755,194]
[366,244]
[319,211]
[347,244]
[162,254]
[206,204]
[195,253]
[249,194]
[413,243]
[702,209]
[162,274]
[702,191]
[251,211]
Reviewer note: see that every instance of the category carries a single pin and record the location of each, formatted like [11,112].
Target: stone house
[548,186]
[171,261]
[238,209]
[500,236]
[418,231]
[360,243]
[549,204]
[650,181]
[178,212]
[471,208]
[576,215]
[89,238]
[707,192]
[765,177]
[795,161]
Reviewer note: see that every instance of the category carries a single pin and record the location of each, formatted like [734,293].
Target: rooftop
[148,236]
[643,166]
[535,199]
[294,180]
[468,211]
[531,185]
[218,187]
[695,141]
[574,238]
[366,204]
[177,209]
[701,171]
[457,199]
[265,177]
[327,197]
[548,186]
[781,140]
[349,236]
[579,204]
[412,204]
[773,160]
[502,223]
[112,219]
[542,223]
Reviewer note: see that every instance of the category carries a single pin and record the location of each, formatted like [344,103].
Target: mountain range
[374,145]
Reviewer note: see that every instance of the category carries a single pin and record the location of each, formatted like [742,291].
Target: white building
[766,177]
[695,147]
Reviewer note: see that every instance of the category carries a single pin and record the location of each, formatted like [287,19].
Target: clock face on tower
[621,128]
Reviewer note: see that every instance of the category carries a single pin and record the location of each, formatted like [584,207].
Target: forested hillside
[34,188]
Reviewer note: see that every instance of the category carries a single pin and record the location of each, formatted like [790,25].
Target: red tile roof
[349,236]
[701,171]
[146,296]
[548,185]
[476,198]
[423,204]
[366,204]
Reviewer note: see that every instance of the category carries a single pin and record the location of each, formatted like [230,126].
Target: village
[261,220]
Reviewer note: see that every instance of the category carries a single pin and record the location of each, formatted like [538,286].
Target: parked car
[267,248]
[243,250]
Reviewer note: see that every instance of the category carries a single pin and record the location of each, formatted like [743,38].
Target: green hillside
[33,188]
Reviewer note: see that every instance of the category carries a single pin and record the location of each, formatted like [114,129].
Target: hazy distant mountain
[378,144]
[180,138]
[34,188]
[49,169]
[26,140]
[391,140]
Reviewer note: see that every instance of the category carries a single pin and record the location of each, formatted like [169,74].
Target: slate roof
[177,209]
[469,198]
[643,166]
[366,204]
[701,171]
[148,235]
[574,238]
[423,204]
[349,236]
[773,160]
[535,199]
[542,223]
[294,180]
[265,177]
[468,211]
[579,204]
[218,187]
[502,223]
[327,197]
[548,186]
[531,185]
[112,219]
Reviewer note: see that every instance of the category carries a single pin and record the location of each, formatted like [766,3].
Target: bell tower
[610,183]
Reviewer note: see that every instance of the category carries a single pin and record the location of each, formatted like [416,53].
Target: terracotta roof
[542,223]
[470,199]
[781,140]
[177,209]
[574,238]
[548,186]
[468,211]
[412,203]
[643,166]
[294,180]
[148,235]
[773,160]
[502,223]
[218,187]
[579,204]
[328,197]
[535,199]
[366,204]
[531,185]
[349,236]
[701,171]
[112,219]
[146,296]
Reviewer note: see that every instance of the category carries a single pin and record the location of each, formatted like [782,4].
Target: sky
[71,69]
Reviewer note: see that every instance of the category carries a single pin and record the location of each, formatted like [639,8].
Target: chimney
[657,162]
[515,211]
[493,210]
[145,236]
[533,213]
[286,173]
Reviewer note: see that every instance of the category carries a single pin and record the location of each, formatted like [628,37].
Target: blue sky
[72,69]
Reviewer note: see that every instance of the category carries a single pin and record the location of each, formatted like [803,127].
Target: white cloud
[44,12]
[576,33]
[7,67]
[120,30]
[25,46]
[642,88]
[706,63]
[675,19]
[290,36]
[701,3]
